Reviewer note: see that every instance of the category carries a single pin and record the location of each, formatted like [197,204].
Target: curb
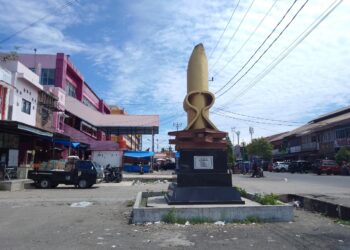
[326,208]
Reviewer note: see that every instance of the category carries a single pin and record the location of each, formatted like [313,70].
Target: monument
[203,176]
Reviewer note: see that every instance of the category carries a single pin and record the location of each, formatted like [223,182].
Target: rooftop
[114,124]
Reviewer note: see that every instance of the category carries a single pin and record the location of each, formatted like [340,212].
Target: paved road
[332,187]
[44,219]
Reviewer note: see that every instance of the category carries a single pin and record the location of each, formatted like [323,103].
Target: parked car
[280,166]
[326,166]
[82,174]
[300,166]
[169,166]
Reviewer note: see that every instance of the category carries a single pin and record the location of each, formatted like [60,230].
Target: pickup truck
[83,174]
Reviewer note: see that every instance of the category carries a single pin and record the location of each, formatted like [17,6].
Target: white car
[280,166]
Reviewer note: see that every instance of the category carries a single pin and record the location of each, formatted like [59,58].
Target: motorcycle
[258,173]
[112,174]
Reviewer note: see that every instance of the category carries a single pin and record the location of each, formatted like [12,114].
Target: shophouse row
[48,111]
[320,138]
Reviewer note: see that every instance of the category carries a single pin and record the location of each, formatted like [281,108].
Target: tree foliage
[10,56]
[260,148]
[230,155]
[343,155]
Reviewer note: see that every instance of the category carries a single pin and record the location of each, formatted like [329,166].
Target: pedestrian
[345,170]
[255,169]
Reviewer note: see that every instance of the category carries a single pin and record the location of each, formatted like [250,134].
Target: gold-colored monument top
[198,100]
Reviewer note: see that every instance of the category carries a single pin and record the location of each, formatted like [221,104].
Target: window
[88,103]
[87,129]
[70,90]
[26,106]
[343,133]
[47,77]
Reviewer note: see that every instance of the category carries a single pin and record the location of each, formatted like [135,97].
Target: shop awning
[67,143]
[138,154]
[14,127]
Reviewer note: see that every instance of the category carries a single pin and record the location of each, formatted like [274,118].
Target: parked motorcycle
[112,174]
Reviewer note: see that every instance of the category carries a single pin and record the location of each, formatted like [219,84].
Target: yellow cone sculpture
[198,100]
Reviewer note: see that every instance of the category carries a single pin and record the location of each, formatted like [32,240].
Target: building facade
[5,87]
[318,139]
[61,78]
[129,142]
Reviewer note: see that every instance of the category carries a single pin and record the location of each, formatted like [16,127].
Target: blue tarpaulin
[67,143]
[138,154]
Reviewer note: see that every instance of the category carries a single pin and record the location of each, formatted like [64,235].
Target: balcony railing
[295,149]
[310,146]
[5,76]
[278,152]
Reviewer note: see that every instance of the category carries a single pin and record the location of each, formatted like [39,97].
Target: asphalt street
[98,218]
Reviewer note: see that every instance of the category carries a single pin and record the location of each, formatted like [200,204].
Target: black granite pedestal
[203,178]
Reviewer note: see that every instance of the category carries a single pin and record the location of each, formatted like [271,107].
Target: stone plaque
[203,162]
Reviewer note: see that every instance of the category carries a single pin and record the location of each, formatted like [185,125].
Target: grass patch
[267,199]
[130,203]
[250,220]
[143,202]
[343,222]
[172,218]
[242,192]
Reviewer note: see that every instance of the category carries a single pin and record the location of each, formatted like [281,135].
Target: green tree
[230,156]
[10,56]
[261,148]
[343,155]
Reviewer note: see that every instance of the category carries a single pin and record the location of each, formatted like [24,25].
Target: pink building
[60,77]
[83,116]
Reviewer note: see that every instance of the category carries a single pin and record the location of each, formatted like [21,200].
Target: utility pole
[251,132]
[233,135]
[238,133]
[177,125]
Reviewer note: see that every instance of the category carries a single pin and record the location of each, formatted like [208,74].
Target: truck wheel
[283,170]
[45,183]
[82,183]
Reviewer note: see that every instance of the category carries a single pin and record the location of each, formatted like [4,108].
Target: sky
[134,54]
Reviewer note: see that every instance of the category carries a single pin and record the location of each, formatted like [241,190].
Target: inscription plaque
[203,162]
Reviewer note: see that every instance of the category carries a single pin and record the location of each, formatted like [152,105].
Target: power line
[247,40]
[229,21]
[256,51]
[61,7]
[290,48]
[268,48]
[251,121]
[127,104]
[256,117]
[242,20]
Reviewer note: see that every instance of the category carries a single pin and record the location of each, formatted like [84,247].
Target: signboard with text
[203,162]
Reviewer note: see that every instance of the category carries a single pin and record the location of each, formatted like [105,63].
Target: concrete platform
[15,185]
[156,208]
[149,177]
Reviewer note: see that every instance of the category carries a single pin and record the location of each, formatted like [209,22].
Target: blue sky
[135,53]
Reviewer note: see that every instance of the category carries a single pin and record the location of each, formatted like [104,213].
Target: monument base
[202,195]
